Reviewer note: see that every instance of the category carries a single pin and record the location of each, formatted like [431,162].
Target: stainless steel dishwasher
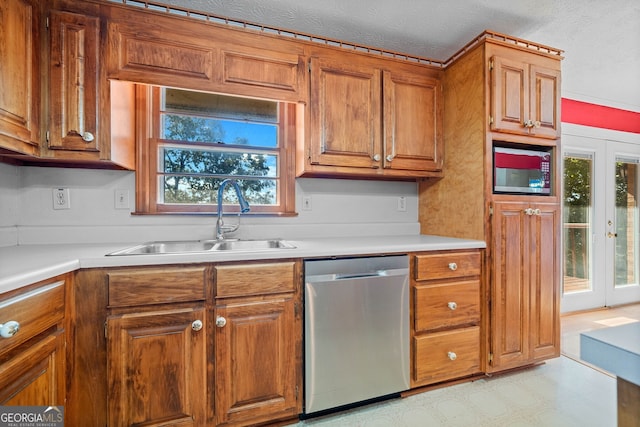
[356,330]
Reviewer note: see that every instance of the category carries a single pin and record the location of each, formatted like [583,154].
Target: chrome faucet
[244,207]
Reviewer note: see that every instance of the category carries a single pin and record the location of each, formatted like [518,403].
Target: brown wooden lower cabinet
[445,322]
[32,361]
[157,368]
[150,346]
[525,306]
[255,353]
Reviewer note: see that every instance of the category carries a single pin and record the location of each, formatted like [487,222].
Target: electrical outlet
[306,203]
[61,198]
[402,204]
[121,199]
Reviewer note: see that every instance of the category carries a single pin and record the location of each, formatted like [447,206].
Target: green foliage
[196,172]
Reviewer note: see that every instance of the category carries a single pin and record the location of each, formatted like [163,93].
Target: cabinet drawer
[254,279]
[446,265]
[156,286]
[445,305]
[442,356]
[35,311]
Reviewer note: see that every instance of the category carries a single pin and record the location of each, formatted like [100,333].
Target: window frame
[147,151]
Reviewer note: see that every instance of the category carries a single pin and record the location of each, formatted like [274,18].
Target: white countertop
[615,349]
[23,265]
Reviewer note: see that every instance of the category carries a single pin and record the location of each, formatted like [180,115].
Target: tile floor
[560,393]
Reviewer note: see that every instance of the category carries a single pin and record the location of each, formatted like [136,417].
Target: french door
[601,223]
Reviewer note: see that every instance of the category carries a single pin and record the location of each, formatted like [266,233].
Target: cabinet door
[255,352]
[36,376]
[525,305]
[412,122]
[509,96]
[19,76]
[157,368]
[74,90]
[509,287]
[545,231]
[345,115]
[545,101]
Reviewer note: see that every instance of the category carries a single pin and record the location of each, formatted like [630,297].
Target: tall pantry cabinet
[503,91]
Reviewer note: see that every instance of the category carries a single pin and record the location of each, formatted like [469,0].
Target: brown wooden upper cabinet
[525,98]
[382,120]
[73,89]
[170,51]
[84,126]
[20,76]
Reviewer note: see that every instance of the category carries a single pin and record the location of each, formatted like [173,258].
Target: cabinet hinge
[46,23]
[309,64]
[490,65]
[105,330]
[490,210]
[47,137]
[297,392]
[490,120]
[490,358]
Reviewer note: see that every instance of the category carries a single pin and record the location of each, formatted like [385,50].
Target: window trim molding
[147,105]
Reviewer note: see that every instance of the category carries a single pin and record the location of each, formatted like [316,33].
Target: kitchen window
[195,140]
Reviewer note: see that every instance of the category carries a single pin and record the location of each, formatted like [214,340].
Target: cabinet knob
[376,157]
[528,124]
[196,325]
[528,211]
[537,212]
[453,266]
[220,321]
[88,137]
[9,329]
[389,158]
[452,305]
[451,355]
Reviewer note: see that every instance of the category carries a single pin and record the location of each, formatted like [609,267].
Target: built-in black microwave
[521,171]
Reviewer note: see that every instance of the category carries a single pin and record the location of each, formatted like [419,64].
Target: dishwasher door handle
[359,275]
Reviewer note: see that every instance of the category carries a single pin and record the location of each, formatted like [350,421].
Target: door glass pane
[626,256]
[578,213]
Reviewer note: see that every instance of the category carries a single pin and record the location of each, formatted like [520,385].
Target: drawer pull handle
[453,266]
[196,325]
[221,322]
[452,305]
[452,355]
[9,329]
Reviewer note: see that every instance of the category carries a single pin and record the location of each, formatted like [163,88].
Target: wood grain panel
[156,286]
[157,368]
[255,279]
[36,376]
[433,359]
[36,311]
[455,205]
[256,361]
[412,121]
[432,309]
[74,91]
[447,265]
[20,76]
[258,67]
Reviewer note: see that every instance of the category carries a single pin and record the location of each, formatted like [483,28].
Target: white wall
[339,208]
[9,204]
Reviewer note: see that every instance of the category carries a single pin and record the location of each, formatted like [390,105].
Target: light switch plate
[121,199]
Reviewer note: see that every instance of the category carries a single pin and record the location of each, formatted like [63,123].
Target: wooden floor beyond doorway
[572,324]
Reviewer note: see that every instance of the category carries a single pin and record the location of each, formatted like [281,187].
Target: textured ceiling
[601,38]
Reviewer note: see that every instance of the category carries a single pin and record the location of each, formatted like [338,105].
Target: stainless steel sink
[203,246]
[251,245]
